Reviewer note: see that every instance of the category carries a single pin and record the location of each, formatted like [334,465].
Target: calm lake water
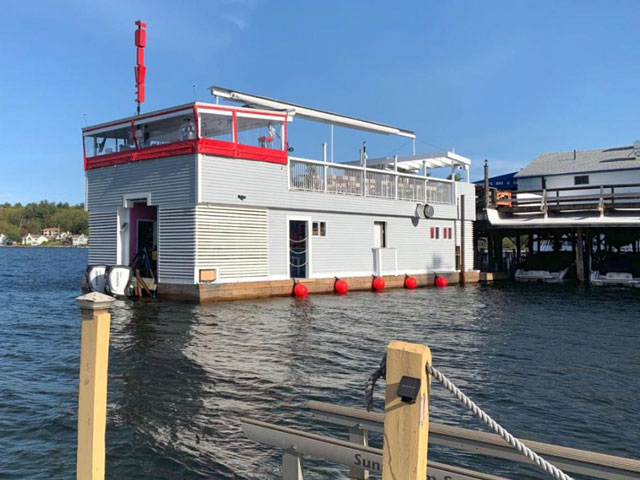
[555,364]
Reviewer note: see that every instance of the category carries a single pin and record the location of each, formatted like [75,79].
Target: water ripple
[556,364]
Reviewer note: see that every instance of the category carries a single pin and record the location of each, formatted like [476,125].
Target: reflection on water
[554,364]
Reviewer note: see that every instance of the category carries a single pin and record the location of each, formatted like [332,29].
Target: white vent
[235,240]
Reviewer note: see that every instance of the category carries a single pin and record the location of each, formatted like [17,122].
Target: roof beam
[309,113]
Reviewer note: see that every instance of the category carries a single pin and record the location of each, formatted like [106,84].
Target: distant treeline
[18,220]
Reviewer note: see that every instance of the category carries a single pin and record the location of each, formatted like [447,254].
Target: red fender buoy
[300,290]
[410,283]
[441,282]
[341,287]
[378,283]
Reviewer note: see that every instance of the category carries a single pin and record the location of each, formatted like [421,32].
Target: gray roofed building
[618,158]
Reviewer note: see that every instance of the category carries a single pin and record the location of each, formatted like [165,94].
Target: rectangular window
[152,132]
[116,140]
[581,180]
[379,234]
[216,125]
[435,233]
[319,229]
[447,233]
[259,132]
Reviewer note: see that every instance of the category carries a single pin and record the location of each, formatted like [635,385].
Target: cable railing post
[406,421]
[424,184]
[395,169]
[324,168]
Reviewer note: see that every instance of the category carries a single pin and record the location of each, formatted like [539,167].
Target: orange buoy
[341,286]
[378,283]
[300,290]
[441,282]
[410,283]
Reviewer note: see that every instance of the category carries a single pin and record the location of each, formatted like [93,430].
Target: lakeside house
[51,232]
[80,240]
[55,234]
[3,239]
[607,166]
[34,240]
[216,188]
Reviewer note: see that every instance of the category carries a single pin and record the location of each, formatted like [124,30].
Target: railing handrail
[579,187]
[571,459]
[335,450]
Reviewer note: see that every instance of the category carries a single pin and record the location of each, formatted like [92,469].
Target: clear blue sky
[503,80]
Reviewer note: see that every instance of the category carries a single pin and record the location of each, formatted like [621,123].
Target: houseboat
[213,194]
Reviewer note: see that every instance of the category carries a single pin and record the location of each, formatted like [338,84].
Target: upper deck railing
[341,179]
[585,197]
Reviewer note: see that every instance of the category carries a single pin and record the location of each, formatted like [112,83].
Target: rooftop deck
[257,130]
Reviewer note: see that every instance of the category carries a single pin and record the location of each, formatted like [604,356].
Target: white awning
[416,162]
[309,113]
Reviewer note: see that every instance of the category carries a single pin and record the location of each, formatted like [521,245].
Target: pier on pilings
[589,225]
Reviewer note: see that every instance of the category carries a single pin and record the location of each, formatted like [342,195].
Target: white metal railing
[344,181]
[411,189]
[308,177]
[438,192]
[316,176]
[380,185]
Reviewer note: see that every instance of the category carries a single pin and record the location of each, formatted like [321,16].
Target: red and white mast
[140,70]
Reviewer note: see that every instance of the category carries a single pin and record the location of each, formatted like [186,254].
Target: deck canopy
[414,163]
[309,113]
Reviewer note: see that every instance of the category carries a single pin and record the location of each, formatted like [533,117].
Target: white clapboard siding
[103,242]
[226,180]
[468,242]
[168,181]
[233,240]
[176,244]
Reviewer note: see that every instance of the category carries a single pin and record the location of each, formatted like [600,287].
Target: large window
[168,130]
[259,132]
[216,126]
[119,139]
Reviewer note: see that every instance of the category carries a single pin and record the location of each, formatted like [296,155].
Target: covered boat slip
[231,214]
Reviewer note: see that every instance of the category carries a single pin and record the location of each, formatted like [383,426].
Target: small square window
[319,229]
[581,180]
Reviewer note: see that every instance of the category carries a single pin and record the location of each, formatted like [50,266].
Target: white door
[377,234]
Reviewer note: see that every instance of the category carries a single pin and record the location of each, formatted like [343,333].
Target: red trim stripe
[186,147]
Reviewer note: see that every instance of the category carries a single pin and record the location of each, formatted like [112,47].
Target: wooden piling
[580,255]
[462,240]
[92,399]
[406,425]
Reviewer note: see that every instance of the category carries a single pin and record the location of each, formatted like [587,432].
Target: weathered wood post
[92,398]
[580,254]
[463,245]
[406,419]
